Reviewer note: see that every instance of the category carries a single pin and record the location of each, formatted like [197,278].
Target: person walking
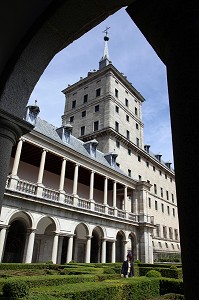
[127,267]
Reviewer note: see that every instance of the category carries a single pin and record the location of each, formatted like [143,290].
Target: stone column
[41,168]
[2,241]
[125,249]
[70,249]
[62,176]
[30,246]
[17,158]
[113,252]
[62,181]
[55,248]
[75,181]
[88,249]
[91,185]
[114,194]
[103,255]
[105,194]
[125,197]
[11,129]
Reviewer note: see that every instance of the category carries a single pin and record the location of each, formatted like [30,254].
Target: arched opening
[132,246]
[120,247]
[96,245]
[79,245]
[15,243]
[44,240]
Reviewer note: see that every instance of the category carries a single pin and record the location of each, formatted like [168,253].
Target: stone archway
[80,240]
[132,246]
[15,242]
[120,238]
[96,245]
[44,239]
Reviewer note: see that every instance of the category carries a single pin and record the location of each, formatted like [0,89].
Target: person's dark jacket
[125,268]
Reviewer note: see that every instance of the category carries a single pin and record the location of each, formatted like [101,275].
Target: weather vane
[106,38]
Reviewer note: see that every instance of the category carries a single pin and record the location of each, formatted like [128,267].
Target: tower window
[127,102]
[153,168]
[155,188]
[149,199]
[82,130]
[127,118]
[85,98]
[116,93]
[117,126]
[83,113]
[172,196]
[161,192]
[165,232]
[137,142]
[168,210]
[162,207]
[98,92]
[137,126]
[96,125]
[160,172]
[96,108]
[117,144]
[156,205]
[174,212]
[74,104]
[129,172]
[139,177]
[117,109]
[71,119]
[147,164]
[127,134]
[139,158]
[167,195]
[129,151]
[136,111]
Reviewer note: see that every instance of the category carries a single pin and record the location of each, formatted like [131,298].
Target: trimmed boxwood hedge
[165,272]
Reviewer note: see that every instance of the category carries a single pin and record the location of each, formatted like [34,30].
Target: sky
[132,55]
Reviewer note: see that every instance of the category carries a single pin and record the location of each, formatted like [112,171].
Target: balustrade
[83,203]
[68,199]
[121,214]
[50,194]
[99,208]
[26,187]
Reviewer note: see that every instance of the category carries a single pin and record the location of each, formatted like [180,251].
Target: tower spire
[105,58]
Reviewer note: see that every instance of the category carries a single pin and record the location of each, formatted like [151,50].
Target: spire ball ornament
[106,38]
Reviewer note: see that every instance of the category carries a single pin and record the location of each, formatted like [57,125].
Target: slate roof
[49,130]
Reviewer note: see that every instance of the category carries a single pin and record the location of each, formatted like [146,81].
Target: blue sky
[131,54]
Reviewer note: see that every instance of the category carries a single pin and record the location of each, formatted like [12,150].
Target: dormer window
[111,158]
[91,147]
[64,133]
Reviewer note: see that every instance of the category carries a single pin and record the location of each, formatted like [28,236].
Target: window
[147,164]
[118,165]
[172,245]
[174,212]
[127,102]
[158,230]
[160,245]
[168,210]
[98,92]
[129,172]
[96,108]
[82,130]
[165,176]
[96,125]
[129,151]
[83,113]
[85,98]
[161,192]
[74,104]
[172,196]
[137,126]
[136,111]
[176,234]
[127,134]
[117,109]
[156,205]
[137,142]
[167,195]
[170,179]
[117,144]
[116,93]
[162,207]
[164,232]
[155,189]
[139,158]
[149,200]
[170,233]
[117,126]
[153,168]
[127,118]
[160,172]
[166,245]
[72,119]
[139,177]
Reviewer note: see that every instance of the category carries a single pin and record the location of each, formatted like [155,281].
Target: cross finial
[106,30]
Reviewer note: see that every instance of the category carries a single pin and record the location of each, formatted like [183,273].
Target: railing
[50,194]
[68,199]
[83,203]
[99,208]
[26,187]
[111,211]
[32,188]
